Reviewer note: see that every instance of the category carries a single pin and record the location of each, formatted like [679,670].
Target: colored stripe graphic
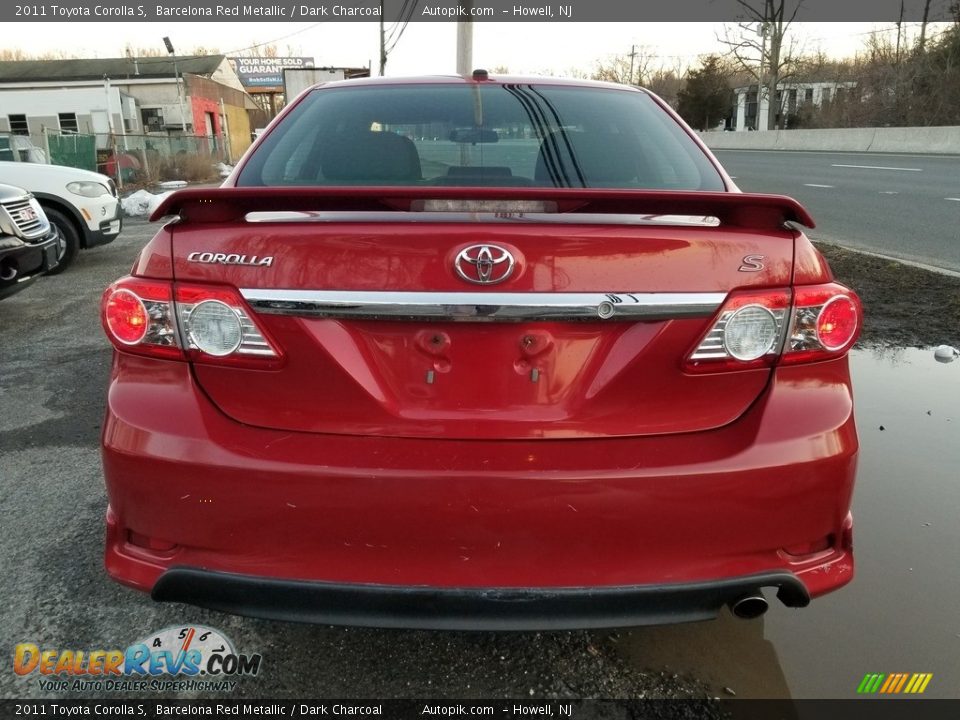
[870,683]
[894,683]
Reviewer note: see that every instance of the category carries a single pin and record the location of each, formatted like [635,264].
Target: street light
[176,75]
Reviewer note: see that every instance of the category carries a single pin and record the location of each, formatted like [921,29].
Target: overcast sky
[427,47]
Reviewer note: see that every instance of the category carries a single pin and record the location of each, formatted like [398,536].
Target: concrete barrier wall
[920,140]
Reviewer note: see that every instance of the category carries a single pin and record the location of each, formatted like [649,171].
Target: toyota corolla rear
[472,353]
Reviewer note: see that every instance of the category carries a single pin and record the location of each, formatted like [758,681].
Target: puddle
[902,611]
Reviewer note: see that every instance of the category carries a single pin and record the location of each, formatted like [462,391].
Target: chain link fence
[79,151]
[137,159]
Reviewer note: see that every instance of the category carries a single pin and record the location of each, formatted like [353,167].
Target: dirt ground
[903,305]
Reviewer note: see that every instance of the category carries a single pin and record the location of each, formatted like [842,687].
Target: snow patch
[172,184]
[142,203]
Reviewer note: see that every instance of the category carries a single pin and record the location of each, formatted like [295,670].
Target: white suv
[83,205]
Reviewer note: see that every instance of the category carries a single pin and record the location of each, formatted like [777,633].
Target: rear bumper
[631,523]
[397,606]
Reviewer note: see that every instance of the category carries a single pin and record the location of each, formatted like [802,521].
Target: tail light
[138,317]
[201,323]
[826,323]
[747,333]
[762,328]
[217,326]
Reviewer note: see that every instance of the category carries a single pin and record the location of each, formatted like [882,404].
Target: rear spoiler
[222,205]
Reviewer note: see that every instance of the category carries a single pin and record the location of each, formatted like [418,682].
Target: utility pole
[465,64]
[465,40]
[225,133]
[773,25]
[633,55]
[176,76]
[762,30]
[383,43]
[899,28]
[923,25]
[898,76]
[113,137]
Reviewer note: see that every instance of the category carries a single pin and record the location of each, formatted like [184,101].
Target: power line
[406,21]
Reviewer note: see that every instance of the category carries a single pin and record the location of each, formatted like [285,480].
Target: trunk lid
[382,336]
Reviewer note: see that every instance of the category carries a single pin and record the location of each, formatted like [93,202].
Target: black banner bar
[876,708]
[452,10]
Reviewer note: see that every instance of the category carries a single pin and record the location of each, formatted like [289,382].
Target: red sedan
[476,352]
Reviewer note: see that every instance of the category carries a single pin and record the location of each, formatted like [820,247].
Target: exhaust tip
[748,607]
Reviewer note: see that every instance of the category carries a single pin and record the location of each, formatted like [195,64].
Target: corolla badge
[484,264]
[230,259]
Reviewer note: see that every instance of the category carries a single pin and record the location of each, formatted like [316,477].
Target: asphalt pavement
[904,206]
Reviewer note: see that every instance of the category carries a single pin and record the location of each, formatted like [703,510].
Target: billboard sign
[258,72]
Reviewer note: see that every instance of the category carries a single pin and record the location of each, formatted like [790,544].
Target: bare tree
[667,83]
[16,54]
[130,51]
[631,68]
[570,72]
[760,46]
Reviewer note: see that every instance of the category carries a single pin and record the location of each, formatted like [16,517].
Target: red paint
[618,466]
[524,513]
[200,106]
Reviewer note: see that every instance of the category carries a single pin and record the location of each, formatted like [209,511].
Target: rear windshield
[480,135]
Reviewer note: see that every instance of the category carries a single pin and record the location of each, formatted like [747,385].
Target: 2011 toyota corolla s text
[476,352]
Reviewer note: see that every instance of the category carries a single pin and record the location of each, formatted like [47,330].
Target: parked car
[29,245]
[546,368]
[82,205]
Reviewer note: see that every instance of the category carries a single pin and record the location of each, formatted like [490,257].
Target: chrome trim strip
[428,217]
[483,306]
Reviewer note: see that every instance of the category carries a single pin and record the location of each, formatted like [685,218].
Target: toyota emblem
[484,264]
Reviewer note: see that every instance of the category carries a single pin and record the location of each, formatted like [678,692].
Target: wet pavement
[902,611]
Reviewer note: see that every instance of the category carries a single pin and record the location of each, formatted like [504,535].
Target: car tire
[69,239]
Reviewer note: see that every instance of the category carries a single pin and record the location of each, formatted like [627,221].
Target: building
[125,101]
[791,96]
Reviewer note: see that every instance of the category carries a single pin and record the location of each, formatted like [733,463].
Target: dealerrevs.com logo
[175,659]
